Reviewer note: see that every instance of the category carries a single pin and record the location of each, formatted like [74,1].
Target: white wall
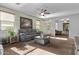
[48,26]
[60,26]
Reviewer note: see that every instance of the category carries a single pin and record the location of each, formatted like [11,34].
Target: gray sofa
[27,34]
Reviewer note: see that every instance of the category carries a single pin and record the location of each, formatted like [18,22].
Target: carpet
[22,51]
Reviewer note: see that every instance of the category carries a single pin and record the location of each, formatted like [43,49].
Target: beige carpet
[22,51]
[18,49]
[39,51]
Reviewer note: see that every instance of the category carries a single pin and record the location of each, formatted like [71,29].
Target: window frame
[38,25]
[7,21]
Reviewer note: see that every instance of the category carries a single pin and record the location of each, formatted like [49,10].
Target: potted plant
[12,34]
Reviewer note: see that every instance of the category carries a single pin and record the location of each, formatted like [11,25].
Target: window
[37,24]
[6,20]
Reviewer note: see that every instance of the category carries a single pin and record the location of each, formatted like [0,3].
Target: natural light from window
[37,24]
[59,38]
[6,20]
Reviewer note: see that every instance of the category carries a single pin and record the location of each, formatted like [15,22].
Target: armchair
[42,39]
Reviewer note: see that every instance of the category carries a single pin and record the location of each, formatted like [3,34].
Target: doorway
[66,29]
[62,28]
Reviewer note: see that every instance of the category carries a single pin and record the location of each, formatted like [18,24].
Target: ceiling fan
[44,12]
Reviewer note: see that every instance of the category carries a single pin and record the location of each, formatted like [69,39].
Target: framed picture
[25,23]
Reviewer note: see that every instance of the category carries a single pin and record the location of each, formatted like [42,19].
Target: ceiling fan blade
[42,11]
[47,13]
[45,10]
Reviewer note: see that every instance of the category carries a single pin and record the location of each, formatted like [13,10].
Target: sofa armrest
[1,49]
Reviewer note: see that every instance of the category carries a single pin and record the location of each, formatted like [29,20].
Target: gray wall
[74,26]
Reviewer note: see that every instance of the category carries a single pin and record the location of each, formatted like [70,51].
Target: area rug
[22,51]
[39,51]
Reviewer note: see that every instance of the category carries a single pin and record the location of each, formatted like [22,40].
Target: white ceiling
[56,9]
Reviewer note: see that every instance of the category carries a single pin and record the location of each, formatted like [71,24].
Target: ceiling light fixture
[18,3]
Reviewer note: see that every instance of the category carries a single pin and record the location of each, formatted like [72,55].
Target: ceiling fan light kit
[44,12]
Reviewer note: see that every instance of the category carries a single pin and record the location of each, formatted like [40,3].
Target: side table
[13,39]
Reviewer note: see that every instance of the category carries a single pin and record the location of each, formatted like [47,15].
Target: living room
[38,29]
